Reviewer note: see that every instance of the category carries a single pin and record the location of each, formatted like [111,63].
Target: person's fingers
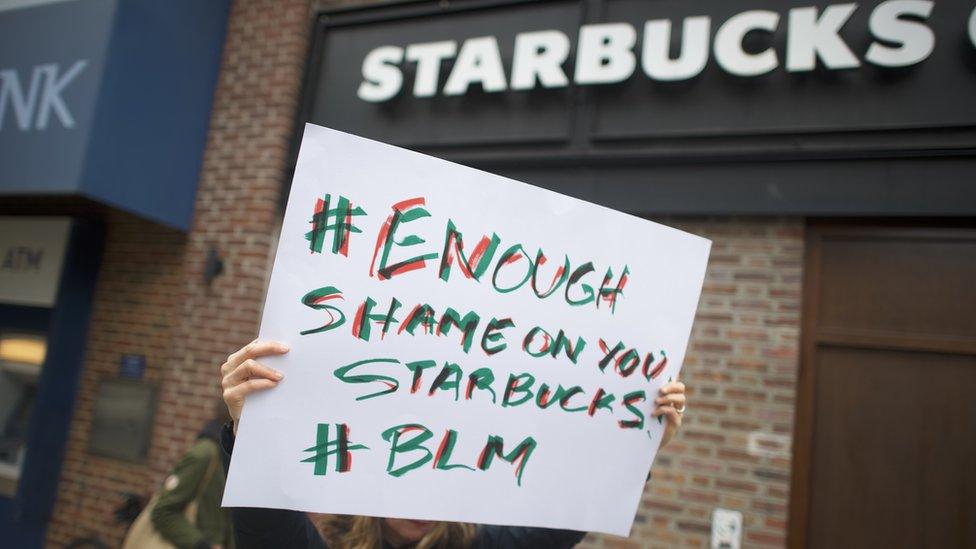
[241,374]
[230,363]
[672,416]
[675,418]
[250,368]
[672,387]
[234,396]
[675,399]
[254,349]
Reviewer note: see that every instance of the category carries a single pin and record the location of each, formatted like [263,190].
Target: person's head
[346,532]
[399,532]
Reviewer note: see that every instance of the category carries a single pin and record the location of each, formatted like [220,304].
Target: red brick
[766,539]
[150,294]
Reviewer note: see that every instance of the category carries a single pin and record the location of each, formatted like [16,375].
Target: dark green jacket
[213,525]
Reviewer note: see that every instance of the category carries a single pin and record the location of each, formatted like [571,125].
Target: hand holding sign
[472,348]
[242,374]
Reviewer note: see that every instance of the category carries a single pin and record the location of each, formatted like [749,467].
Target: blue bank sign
[109,100]
[34,99]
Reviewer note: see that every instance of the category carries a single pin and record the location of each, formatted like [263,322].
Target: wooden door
[885,448]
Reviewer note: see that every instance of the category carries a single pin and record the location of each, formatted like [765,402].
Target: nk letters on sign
[464,347]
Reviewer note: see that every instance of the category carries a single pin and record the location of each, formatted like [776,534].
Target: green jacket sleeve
[178,491]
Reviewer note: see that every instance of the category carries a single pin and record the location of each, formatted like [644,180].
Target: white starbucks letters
[605,53]
[655,60]
[428,58]
[477,62]
[915,40]
[972,28]
[382,78]
[812,35]
[540,55]
[729,52]
[609,52]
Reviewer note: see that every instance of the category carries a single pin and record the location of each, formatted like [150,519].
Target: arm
[179,490]
[256,528]
[670,404]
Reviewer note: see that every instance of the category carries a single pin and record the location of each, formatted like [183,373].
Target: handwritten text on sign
[470,347]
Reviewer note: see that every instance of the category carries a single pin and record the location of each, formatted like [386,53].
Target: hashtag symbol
[338,220]
[325,447]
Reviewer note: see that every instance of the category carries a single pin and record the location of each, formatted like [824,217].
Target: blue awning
[109,100]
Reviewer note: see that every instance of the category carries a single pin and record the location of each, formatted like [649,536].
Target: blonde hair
[358,532]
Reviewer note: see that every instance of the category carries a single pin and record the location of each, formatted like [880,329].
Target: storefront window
[21,359]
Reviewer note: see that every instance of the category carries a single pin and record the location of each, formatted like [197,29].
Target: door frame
[817,231]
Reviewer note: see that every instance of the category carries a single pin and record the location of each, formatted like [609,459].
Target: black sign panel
[935,92]
[473,118]
[791,84]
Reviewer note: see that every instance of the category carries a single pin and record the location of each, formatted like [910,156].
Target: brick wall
[132,312]
[237,209]
[151,297]
[733,450]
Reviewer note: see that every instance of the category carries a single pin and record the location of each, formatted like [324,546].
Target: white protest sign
[464,347]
